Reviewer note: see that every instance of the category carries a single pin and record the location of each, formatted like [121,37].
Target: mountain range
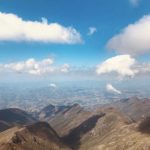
[121,125]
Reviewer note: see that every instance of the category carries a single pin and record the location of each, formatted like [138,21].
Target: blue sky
[109,18]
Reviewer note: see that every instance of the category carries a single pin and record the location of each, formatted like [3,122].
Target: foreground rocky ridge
[123,125]
[114,131]
[37,136]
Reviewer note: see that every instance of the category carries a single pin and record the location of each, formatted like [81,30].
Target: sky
[81,38]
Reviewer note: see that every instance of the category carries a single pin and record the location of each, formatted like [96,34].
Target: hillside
[12,117]
[133,107]
[66,119]
[38,136]
[110,131]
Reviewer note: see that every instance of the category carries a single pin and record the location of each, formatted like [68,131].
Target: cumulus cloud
[111,89]
[14,28]
[144,68]
[134,2]
[121,64]
[92,30]
[134,39]
[53,85]
[65,68]
[35,67]
[31,66]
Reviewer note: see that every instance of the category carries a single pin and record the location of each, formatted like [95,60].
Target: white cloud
[65,68]
[14,28]
[121,64]
[134,39]
[144,68]
[53,85]
[31,66]
[34,67]
[112,89]
[92,30]
[134,2]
